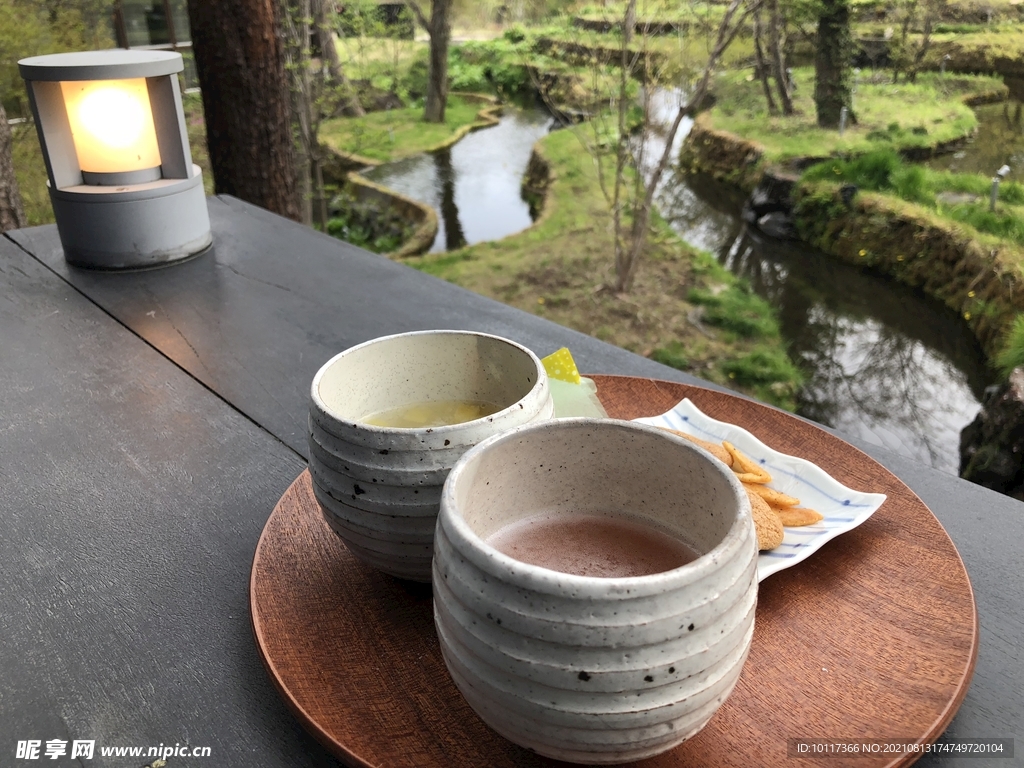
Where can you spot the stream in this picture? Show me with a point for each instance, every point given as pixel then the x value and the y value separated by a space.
pixel 474 185
pixel 882 363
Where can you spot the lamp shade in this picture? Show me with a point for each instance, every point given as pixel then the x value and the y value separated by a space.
pixel 125 192
pixel 111 125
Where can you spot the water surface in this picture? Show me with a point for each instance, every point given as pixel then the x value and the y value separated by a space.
pixel 474 185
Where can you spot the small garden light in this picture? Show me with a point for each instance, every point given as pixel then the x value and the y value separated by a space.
pixel 125 192
pixel 1001 174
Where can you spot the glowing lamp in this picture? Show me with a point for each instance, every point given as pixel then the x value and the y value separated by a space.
pixel 125 192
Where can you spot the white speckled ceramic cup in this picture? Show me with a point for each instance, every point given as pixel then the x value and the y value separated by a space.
pixel 586 669
pixel 379 487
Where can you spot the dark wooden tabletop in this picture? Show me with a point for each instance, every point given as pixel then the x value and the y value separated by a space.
pixel 150 421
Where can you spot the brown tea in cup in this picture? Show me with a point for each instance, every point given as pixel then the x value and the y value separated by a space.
pixel 592 545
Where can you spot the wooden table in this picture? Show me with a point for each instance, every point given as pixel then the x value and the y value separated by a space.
pixel 149 424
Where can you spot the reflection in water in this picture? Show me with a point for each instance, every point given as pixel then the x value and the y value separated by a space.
pixel 882 363
pixel 475 186
pixel 453 237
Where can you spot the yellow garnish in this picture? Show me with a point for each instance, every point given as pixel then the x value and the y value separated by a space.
pixel 561 366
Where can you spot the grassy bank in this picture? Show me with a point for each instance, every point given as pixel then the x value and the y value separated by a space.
pixel 973 257
pixel 929 113
pixel 395 133
pixel 959 197
pixel 1000 50
pixel 685 310
pixel 981 276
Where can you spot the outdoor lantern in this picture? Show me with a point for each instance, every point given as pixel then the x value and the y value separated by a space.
pixel 124 190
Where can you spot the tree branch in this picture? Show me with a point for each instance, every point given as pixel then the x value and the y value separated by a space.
pixel 418 13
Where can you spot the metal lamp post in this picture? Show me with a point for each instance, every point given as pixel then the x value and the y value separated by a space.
pixel 125 192
pixel 1001 174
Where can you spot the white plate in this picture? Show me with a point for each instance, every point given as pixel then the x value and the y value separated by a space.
pixel 844 508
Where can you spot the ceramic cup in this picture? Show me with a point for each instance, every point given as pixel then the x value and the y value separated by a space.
pixel 580 668
pixel 379 487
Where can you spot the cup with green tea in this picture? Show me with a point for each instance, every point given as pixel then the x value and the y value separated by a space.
pixel 389 419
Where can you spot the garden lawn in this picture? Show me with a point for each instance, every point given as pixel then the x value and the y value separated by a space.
pixel 902 116
pixel 396 133
pixel 684 310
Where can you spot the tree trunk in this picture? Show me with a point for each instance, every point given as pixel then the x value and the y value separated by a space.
pixel 12 215
pixel 762 65
pixel 297 39
pixel 324 14
pixel 437 82
pixel 832 62
pixel 622 148
pixel 240 62
pixel 778 61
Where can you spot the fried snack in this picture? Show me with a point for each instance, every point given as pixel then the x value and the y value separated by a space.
pixel 746 469
pixel 794 517
pixel 767 524
pixel 772 509
pixel 714 449
pixel 775 499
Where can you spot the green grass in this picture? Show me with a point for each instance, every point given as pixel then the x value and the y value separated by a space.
pixel 392 134
pixel 929 112
pixel 673 355
pixel 978 51
pixel 677 56
pixel 734 311
pixel 559 268
pixel 686 14
pixel 1012 354
pixel 884 171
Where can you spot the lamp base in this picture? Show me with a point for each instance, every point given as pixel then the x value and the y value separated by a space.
pixel 135 226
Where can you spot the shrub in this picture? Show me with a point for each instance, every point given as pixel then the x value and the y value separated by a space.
pixel 515 34
pixel 365 224
pixel 1012 354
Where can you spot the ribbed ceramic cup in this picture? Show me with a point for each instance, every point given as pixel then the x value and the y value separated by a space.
pixel 380 487
pixel 586 669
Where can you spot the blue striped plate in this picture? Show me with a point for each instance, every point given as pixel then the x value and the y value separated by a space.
pixel 844 508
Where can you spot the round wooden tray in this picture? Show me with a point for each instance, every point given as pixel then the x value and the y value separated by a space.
pixel 874 637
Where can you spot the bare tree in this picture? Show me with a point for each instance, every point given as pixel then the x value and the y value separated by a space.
pixel 439 27
pixel 776 33
pixel 907 55
pixel 630 248
pixel 240 61
pixel 12 214
pixel 308 89
pixel 631 182
pixel 324 13
pixel 762 65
